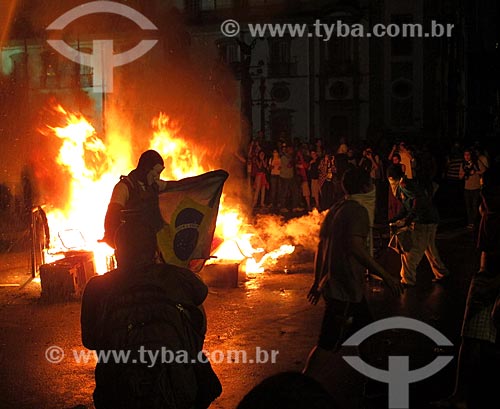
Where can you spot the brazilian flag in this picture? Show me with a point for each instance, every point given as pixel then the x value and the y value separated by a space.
pixel 189 209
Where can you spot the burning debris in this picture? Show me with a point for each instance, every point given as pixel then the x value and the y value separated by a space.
pixel 91 169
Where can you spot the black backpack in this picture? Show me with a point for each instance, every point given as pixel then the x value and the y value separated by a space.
pixel 139 315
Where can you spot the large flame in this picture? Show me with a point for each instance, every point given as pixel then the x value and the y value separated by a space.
pixel 93 168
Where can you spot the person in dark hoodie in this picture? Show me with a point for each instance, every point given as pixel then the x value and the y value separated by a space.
pixel 137 192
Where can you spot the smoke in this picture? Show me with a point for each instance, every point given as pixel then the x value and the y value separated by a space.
pixel 182 77
pixel 303 231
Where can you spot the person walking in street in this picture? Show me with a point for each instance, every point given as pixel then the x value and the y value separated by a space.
pixel 470 171
pixel 419 214
pixel 341 261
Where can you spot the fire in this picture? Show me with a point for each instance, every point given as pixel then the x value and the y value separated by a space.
pixel 93 168
pixel 184 161
pixel 84 157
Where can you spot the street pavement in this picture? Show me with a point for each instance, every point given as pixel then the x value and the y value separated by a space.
pixel 265 313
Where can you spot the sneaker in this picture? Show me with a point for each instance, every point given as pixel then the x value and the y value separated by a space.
pixel 284 210
pixel 298 209
pixel 470 226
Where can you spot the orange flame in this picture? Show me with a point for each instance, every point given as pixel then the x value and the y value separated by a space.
pixel 94 168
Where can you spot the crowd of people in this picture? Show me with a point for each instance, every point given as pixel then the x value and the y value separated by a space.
pixel 147 303
pixel 294 176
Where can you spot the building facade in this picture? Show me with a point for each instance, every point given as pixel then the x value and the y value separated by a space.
pixel 288 85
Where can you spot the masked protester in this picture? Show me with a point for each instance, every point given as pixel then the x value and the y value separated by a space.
pixel 137 193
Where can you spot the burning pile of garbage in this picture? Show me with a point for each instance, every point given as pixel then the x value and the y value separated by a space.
pixel 92 167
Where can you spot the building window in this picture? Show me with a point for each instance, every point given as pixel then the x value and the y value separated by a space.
pixel 192 6
pixel 402 88
pixel 281 63
pixel 229 54
pixel 339 55
pixel 223 4
pixel 339 90
pixel 195 6
pixel 50 70
pixel 86 72
pixel 20 71
pixel 401 46
pixel 340 50
pixel 279 50
pixel 256 3
pixel 281 124
pixel 280 92
pixel 207 4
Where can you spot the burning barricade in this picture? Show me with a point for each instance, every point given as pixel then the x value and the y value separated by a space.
pixel 90 168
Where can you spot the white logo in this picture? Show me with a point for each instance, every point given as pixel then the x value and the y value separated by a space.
pixel 102 59
pixel 398 376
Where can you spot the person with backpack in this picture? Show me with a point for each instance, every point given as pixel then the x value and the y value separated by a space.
pixel 147 324
pixel 138 191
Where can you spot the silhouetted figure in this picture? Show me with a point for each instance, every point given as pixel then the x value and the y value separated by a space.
pixel 151 307
pixel 476 384
pixel 471 170
pixel 138 191
pixel 340 268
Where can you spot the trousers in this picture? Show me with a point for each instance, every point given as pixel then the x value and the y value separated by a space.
pixel 423 242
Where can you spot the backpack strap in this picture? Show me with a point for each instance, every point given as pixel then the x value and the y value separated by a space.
pixel 129 183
